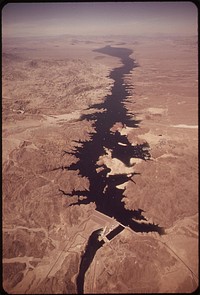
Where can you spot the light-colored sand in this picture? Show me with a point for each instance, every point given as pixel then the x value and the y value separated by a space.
pixel 116 166
pixel 185 126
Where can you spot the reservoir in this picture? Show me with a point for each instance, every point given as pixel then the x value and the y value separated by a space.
pixel 103 191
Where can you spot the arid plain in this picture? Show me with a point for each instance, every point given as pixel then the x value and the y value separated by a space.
pixel 47 84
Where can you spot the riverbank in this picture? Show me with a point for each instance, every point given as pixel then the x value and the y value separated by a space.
pixel 166 99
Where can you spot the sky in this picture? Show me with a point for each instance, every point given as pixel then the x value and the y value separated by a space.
pixel 99 18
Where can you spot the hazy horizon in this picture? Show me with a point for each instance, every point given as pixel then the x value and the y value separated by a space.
pixel 99 18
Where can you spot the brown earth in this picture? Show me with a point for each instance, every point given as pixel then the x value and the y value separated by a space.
pixel 46 88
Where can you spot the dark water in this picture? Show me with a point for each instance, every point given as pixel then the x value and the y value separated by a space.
pixel 92 246
pixel 103 189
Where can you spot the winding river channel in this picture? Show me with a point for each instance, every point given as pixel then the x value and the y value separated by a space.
pixel 103 191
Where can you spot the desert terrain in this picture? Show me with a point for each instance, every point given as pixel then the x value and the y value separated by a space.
pixel 46 86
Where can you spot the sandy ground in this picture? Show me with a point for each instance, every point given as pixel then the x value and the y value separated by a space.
pixel 46 87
